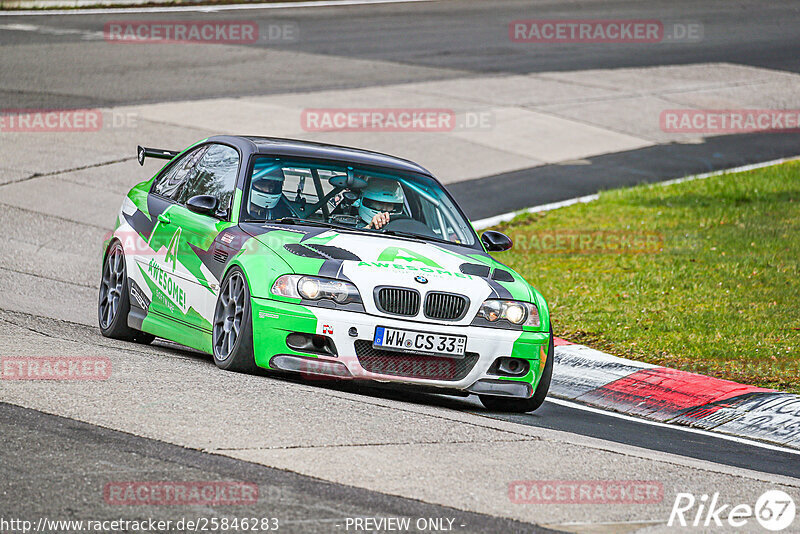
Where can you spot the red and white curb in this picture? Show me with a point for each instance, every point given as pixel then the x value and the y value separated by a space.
pixel 671 396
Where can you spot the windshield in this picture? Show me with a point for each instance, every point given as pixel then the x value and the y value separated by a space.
pixel 364 199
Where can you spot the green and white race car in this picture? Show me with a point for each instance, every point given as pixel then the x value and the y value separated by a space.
pixel 327 261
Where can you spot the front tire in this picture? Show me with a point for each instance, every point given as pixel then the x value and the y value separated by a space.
pixel 114 302
pixel 504 404
pixel 232 331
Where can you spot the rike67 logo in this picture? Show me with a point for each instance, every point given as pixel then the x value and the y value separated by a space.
pixel 774 510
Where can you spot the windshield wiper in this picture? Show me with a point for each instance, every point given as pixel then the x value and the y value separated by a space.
pixel 307 222
pixel 324 224
pixel 418 237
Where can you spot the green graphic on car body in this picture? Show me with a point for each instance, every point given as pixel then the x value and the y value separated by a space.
pixel 392 254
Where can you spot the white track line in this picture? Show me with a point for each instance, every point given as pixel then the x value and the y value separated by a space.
pixel 49 30
pixel 201 9
pixel 606 523
pixel 497 219
pixel 743 441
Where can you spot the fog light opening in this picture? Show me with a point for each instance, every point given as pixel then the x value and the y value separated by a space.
pixel 511 367
pixel 311 343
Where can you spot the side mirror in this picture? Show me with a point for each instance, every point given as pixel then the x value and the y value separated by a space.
pixel 496 241
pixel 203 204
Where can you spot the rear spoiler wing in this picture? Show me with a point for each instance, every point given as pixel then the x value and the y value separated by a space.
pixel 158 153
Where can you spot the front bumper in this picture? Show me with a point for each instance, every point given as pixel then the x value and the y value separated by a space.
pixel 352 334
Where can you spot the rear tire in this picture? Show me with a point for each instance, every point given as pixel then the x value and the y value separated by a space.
pixel 505 404
pixel 114 302
pixel 232 330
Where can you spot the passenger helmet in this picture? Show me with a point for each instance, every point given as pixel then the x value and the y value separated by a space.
pixel 265 192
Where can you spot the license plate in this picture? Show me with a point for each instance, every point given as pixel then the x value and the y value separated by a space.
pixel 419 342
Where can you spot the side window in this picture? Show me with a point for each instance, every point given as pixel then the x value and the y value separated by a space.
pixel 214 174
pixel 169 184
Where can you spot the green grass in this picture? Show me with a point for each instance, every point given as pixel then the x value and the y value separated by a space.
pixel 722 297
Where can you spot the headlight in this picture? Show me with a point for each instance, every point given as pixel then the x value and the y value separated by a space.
pixel 513 311
pixel 315 288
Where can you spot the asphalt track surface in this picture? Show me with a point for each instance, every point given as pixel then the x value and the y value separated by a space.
pixel 57 467
pixel 37 482
pixel 63 62
pixel 488 196
pixel 631 432
pixel 428 40
pixel 48 460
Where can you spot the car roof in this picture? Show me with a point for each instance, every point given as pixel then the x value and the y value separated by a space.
pixel 312 149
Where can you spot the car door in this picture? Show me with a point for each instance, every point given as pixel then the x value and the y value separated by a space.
pixel 155 263
pixel 194 254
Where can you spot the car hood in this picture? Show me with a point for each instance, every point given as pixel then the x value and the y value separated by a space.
pixel 371 261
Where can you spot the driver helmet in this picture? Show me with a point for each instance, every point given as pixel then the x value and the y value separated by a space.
pixel 266 191
pixel 380 196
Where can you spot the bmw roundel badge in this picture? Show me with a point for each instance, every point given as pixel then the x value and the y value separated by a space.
pixel 421 279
